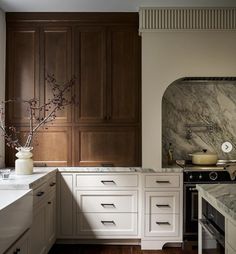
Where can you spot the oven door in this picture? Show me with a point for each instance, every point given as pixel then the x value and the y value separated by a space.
pixel 190 211
pixel 212 241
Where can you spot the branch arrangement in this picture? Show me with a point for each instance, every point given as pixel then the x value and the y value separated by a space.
pixel 39 115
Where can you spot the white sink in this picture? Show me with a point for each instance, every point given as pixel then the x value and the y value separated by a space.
pixel 15 215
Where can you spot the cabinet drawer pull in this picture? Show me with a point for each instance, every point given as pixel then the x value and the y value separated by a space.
pixel 108 205
pixel 108 222
pixel 40 193
pixel 49 202
pixel 52 184
pixel 160 205
pixel 163 223
pixel 163 181
pixel 108 182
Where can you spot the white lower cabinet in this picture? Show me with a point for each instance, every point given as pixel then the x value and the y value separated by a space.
pixel 43 230
pixel 116 206
pixel 21 246
pixel 162 210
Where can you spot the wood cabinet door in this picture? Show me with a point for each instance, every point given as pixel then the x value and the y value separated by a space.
pixel 102 146
pixel 22 71
pixel 124 74
pixel 52 147
pixel 90 65
pixel 56 61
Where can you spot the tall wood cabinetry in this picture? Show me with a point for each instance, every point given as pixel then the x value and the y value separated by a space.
pixel 103 52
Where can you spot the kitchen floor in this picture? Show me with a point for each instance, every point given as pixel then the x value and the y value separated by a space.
pixel 112 249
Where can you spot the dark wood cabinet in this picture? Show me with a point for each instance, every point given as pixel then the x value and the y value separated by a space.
pixel 106 146
pixel 56 60
pixel 22 70
pixel 103 52
pixel 90 70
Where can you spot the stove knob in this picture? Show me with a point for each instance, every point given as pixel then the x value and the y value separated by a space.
pixel 191 177
pixel 200 176
pixel 213 175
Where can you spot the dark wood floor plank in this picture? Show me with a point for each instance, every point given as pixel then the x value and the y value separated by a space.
pixel 112 249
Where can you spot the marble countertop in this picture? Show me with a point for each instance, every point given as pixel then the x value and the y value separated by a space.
pixel 222 196
pixel 25 182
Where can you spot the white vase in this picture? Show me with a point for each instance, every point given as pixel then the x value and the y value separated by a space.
pixel 24 163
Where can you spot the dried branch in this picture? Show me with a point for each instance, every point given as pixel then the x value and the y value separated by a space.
pixel 49 109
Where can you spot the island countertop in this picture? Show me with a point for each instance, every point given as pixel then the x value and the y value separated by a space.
pixel 222 196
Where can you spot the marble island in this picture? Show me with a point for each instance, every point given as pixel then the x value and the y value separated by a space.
pixel 221 196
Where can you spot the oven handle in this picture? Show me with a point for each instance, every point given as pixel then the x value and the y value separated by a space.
pixel 212 231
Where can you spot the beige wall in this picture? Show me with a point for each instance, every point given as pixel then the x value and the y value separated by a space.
pixel 2 74
pixel 168 56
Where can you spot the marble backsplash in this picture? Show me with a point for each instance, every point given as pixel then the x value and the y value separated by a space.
pixel 197 102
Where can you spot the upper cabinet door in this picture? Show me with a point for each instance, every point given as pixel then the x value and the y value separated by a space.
pixel 57 61
pixel 124 74
pixel 23 71
pixel 90 67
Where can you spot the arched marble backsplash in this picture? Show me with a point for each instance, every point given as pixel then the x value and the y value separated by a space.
pixel 198 102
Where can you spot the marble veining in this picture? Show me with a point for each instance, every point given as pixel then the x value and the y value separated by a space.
pixel 222 195
pixel 199 102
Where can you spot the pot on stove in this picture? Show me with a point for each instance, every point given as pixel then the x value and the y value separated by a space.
pixel 204 158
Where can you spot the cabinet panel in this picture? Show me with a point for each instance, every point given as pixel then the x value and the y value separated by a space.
pixel 22 71
pixel 96 225
pixel 90 64
pixel 106 201
pixel 65 209
pixel 52 147
pixel 57 62
pixel 124 74
pixel 106 145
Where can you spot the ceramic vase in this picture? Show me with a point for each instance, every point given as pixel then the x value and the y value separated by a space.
pixel 24 163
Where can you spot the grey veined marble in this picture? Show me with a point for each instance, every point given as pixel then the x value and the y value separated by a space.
pixel 199 102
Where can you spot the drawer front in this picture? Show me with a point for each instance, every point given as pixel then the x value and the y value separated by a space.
pixel 162 202
pixel 162 225
pixel 106 201
pixel 39 194
pixel 51 184
pixel 107 181
pixel 162 181
pixel 107 224
pixel 230 234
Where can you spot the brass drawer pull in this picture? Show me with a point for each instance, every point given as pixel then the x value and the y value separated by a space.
pixel 108 222
pixel 163 223
pixel 40 193
pixel 164 181
pixel 108 205
pixel 108 182
pixel 160 205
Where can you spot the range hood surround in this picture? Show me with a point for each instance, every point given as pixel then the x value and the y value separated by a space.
pixel 170 53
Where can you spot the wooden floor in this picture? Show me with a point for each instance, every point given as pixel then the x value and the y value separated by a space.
pixel 112 249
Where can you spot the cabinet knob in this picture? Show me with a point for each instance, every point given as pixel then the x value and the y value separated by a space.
pixel 52 184
pixel 49 202
pixel 40 193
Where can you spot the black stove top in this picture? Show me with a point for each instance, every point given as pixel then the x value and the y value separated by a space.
pixel 207 173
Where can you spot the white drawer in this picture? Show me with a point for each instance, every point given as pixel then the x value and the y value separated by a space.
pixel 162 225
pixel 162 181
pixel 107 224
pixel 107 180
pixel 162 202
pixel 39 193
pixel 231 234
pixel 51 184
pixel 106 201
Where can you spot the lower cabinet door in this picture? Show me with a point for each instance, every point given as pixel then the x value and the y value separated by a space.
pixel 21 246
pixel 38 237
pixel 110 225
pixel 162 225
pixel 50 221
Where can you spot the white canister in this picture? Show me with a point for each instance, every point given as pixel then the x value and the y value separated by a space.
pixel 24 163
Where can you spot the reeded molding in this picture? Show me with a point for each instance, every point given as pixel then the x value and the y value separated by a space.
pixel 159 19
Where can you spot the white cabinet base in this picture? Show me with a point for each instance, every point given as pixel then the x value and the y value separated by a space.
pixel 158 245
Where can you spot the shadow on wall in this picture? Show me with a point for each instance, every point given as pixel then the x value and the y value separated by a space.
pixel 199 113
